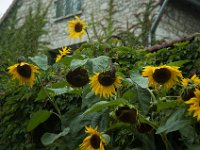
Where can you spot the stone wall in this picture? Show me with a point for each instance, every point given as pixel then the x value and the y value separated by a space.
pixel 178 20
pixel 126 11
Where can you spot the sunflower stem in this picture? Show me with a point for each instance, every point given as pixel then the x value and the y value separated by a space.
pixel 88 35
pixel 166 142
pixel 154 100
pixel 50 100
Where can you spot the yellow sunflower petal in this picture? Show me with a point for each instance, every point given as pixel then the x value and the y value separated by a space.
pixel 76 28
pixel 24 73
pixel 94 141
pixel 194 104
pixel 165 76
pixel 102 90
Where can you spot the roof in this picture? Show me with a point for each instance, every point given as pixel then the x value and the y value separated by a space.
pixel 167 44
pixel 8 11
pixel 187 5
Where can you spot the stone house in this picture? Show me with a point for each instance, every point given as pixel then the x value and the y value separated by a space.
pixel 180 17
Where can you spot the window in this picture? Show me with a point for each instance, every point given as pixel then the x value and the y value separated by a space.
pixel 67 7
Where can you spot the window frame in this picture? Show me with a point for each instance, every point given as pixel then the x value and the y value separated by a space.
pixel 62 17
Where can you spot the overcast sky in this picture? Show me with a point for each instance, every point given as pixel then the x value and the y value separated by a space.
pixel 4 4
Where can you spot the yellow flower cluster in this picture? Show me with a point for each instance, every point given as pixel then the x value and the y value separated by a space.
pixel 65 51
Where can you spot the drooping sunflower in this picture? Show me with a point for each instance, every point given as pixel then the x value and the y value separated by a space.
pixel 194 104
pixel 104 83
pixel 23 72
pixel 65 51
pixel 94 141
pixel 78 77
pixel 164 75
pixel 76 28
pixel 127 114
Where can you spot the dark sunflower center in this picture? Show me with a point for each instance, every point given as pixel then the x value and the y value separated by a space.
pixel 188 94
pixel 24 70
pixel 106 78
pixel 78 27
pixel 162 75
pixel 77 78
pixel 126 114
pixel 95 141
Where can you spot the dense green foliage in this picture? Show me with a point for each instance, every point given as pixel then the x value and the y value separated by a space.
pixel 52 114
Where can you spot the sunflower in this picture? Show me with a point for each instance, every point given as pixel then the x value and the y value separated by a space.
pixel 195 104
pixel 65 51
pixel 127 114
pixel 104 83
pixel 165 76
pixel 24 72
pixel 76 28
pixel 78 77
pixel 189 84
pixel 94 141
pixel 193 80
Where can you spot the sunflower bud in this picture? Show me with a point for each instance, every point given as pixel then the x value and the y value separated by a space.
pixel 126 114
pixel 21 59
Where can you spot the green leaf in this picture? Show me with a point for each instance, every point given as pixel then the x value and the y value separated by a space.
pixel 137 78
pixel 75 63
pixel 103 104
pixel 67 60
pixel 49 138
pixel 178 63
pixel 190 133
pixel 174 122
pixel 128 95
pixel 143 97
pixel 59 91
pixel 38 118
pixel 62 88
pixel 194 147
pixel 56 89
pixel 106 137
pixel 98 64
pixel 166 105
pixel 41 95
pixel 41 61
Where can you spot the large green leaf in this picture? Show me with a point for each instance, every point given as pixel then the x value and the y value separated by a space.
pixel 56 89
pixel 103 104
pixel 38 118
pixel 143 97
pixel 137 78
pixel 62 88
pixel 49 138
pixel 41 61
pixel 174 122
pixel 75 63
pixel 98 64
pixel 67 60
